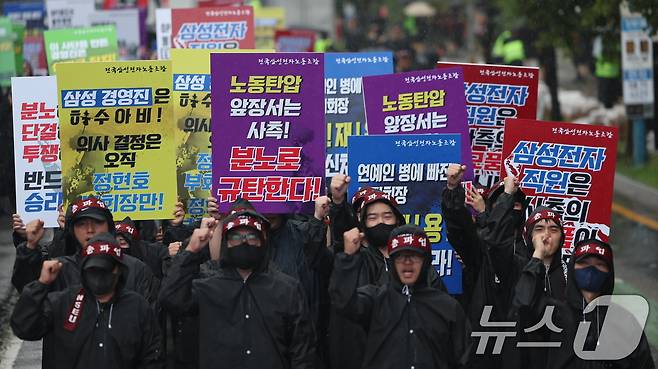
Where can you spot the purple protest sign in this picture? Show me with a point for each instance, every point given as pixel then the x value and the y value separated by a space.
pixel 268 129
pixel 428 101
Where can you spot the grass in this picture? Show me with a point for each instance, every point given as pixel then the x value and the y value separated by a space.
pixel 647 174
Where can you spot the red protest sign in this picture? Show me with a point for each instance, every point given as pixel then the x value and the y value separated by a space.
pixel 494 93
pixel 213 28
pixel 568 167
pixel 294 40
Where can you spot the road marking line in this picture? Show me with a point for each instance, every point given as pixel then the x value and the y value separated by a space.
pixel 638 218
pixel 8 357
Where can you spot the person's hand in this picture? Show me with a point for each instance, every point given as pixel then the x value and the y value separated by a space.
pixel 209 222
pixel 174 247
pixel 18 226
pixel 321 207
pixel 542 244
pixel 511 185
pixel 455 174
pixel 49 271
pixel 339 184
pixel 199 240
pixel 352 240
pixel 213 208
pixel 179 215
pixel 61 217
pixel 34 232
pixel 475 200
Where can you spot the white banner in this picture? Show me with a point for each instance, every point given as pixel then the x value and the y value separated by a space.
pixel 126 22
pixel 69 13
pixel 163 32
pixel 636 59
pixel 36 148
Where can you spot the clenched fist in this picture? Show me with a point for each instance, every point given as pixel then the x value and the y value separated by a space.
pixel 34 232
pixel 352 240
pixel 455 174
pixel 49 271
pixel 338 186
pixel 511 185
pixel 174 247
pixel 321 207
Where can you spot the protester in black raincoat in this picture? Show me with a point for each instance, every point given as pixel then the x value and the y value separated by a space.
pixel 375 214
pixel 546 272
pixel 96 324
pixel 260 312
pixel 491 249
pixel 410 324
pixel 151 254
pixel 605 327
pixel 298 249
pixel 544 276
pixel 85 219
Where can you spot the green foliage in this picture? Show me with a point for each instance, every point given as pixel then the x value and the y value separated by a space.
pixel 555 22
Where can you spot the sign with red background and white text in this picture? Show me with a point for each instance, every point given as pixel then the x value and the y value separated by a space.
pixel 567 167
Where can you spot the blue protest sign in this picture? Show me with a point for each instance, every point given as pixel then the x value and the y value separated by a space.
pixel 412 169
pixel 344 111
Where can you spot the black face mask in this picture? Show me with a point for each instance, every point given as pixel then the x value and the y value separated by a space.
pixel 245 256
pixel 99 282
pixel 378 235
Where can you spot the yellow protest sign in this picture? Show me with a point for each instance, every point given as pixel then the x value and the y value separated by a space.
pixel 191 101
pixel 267 20
pixel 117 136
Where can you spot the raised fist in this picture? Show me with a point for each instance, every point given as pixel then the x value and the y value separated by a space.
pixel 511 185
pixel 455 174
pixel 49 271
pixel 321 207
pixel 34 232
pixel 338 186
pixel 352 240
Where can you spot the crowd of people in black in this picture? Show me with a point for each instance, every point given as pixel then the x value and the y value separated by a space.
pixel 351 286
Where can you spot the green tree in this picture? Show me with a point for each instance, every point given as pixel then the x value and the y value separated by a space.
pixel 552 24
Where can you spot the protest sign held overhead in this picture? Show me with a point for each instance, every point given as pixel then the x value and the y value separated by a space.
pixel 294 40
pixel 411 169
pixel 343 91
pixel 163 33
pixel 495 93
pixel 81 44
pixel 31 13
pixel 118 136
pixel 37 165
pixel 191 98
pixel 267 20
pixel 568 167
pixel 69 13
pixel 7 56
pixel 213 28
pixel 126 23
pixel 268 129
pixel 430 101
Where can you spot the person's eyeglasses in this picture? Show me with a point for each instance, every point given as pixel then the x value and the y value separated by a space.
pixel 409 257
pixel 238 238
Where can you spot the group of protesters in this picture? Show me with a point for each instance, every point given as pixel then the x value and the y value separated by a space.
pixel 351 286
